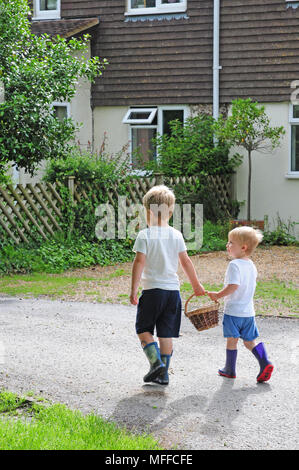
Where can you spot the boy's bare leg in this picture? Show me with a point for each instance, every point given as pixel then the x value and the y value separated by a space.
pixel 231 343
pixel 165 345
pixel 250 345
pixel 145 338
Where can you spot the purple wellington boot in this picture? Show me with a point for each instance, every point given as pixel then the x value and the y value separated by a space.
pixel 266 367
pixel 229 370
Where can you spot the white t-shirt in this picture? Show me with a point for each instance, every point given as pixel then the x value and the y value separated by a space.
pixel 240 303
pixel 162 246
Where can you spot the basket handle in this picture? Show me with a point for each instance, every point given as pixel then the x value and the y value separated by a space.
pixel 187 301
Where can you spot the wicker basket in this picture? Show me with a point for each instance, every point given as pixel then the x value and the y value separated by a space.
pixel 204 317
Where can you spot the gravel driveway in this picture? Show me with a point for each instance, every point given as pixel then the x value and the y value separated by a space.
pixel 87 356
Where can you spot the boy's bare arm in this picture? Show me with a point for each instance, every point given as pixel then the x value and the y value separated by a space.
pixel 230 289
pixel 138 266
pixel 189 270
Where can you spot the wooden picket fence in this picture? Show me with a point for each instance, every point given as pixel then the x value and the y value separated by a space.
pixel 135 190
pixel 137 187
pixel 31 210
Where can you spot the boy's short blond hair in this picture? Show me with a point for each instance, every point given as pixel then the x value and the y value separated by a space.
pixel 247 236
pixel 160 200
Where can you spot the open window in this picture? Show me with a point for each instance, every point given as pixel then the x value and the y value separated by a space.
pixel 46 9
pixel 145 7
pixel 140 116
pixel 145 124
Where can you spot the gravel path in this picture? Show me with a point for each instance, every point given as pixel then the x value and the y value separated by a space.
pixel 87 356
pixel 112 283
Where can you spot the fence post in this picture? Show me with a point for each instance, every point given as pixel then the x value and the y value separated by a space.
pixel 159 178
pixel 71 186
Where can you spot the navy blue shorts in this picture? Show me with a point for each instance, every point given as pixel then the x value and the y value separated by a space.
pixel 160 309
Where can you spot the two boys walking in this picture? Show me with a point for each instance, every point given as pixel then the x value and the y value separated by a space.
pixel 159 248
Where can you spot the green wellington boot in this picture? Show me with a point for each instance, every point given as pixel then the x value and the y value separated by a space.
pixel 152 353
pixel 163 377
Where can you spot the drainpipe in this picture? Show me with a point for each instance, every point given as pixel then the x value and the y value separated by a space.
pixel 216 66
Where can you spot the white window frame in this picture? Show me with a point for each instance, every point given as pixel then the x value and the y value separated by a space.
pixel 170 107
pixel 292 122
pixel 152 113
pixel 158 126
pixel 159 8
pixel 46 15
pixel 63 104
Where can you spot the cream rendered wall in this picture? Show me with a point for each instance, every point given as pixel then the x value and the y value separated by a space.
pixel 108 120
pixel 80 111
pixel 272 191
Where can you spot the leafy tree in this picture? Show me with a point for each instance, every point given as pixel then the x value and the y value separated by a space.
pixel 36 71
pixel 249 127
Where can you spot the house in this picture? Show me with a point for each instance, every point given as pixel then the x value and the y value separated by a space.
pixel 161 67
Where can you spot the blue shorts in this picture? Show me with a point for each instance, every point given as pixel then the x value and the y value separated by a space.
pixel 239 327
pixel 160 309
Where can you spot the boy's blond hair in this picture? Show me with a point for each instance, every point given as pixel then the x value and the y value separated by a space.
pixel 160 200
pixel 247 236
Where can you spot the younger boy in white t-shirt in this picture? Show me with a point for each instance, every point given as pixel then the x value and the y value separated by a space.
pixel 239 314
pixel 158 249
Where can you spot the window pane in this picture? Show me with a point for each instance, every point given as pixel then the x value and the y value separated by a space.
pixel 143 3
pixel 171 115
pixel 61 112
pixel 295 111
pixel 136 115
pixel 295 149
pixel 172 1
pixel 46 5
pixel 143 149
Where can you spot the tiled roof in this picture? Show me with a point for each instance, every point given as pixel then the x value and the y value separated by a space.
pixel 64 28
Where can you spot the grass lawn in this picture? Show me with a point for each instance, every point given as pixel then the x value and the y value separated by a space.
pixel 277 290
pixel 28 425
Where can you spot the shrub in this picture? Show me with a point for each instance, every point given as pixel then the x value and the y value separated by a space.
pixel 98 167
pixel 189 150
pixel 5 178
pixel 200 192
pixel 94 173
pixel 62 253
pixel 86 166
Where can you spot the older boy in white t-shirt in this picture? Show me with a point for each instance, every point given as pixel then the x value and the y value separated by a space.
pixel 238 292
pixel 158 249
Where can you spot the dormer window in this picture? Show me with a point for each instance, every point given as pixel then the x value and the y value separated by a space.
pixel 46 9
pixel 146 7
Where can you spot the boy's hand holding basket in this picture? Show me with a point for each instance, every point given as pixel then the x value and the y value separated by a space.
pixel 203 317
